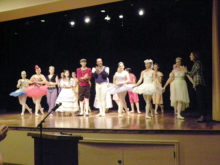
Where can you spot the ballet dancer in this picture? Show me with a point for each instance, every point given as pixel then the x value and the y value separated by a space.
pixel 158 97
pixel 67 96
pixel 37 90
pixel 180 99
pixel 133 97
pixel 52 82
pixel 147 88
pixel 21 94
pixel 120 87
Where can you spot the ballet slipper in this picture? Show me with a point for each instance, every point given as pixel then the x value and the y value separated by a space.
pixel 147 117
pixel 99 114
pixel 30 111
pixel 22 114
pixel 120 115
pixel 180 117
pixel 132 111
pixel 139 112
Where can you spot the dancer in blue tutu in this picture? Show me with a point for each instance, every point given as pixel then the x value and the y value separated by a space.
pixel 21 94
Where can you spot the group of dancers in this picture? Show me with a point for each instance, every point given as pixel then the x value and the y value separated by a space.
pixel 74 91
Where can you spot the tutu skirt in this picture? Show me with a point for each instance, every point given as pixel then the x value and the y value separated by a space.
pixel 114 89
pixel 179 93
pixel 145 89
pixel 36 91
pixel 68 100
pixel 17 93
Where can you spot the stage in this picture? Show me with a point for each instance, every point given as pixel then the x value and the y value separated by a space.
pixel 111 123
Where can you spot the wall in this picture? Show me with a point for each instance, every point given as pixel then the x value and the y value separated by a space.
pixel 193 149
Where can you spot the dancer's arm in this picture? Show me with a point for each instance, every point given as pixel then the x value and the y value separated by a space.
pixel 140 79
pixel 190 79
pixel 114 79
pixel 169 80
pixel 19 83
pixel 31 81
pixel 44 81
pixel 94 72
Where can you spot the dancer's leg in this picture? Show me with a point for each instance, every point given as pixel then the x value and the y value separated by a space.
pixel 122 100
pixel 22 101
pixel 179 109
pixel 147 100
pixel 156 108
pixel 138 107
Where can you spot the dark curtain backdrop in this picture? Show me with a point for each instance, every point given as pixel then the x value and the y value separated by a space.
pixel 169 29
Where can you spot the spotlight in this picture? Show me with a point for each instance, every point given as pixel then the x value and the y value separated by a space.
pixel 42 20
pixel 102 11
pixel 120 16
pixel 72 23
pixel 140 12
pixel 87 20
pixel 107 18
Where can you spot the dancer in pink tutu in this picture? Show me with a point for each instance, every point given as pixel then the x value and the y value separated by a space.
pixel 133 97
pixel 37 90
pixel 120 87
pixel 147 88
pixel 21 94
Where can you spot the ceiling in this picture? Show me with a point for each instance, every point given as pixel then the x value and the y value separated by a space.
pixel 16 9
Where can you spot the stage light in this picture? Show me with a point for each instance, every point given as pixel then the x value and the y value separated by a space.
pixel 107 18
pixel 121 16
pixel 42 21
pixel 72 23
pixel 87 20
pixel 102 11
pixel 140 12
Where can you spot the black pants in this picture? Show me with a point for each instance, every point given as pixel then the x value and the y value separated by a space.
pixel 201 100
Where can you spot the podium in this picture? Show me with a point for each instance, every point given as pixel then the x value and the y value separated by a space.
pixel 55 149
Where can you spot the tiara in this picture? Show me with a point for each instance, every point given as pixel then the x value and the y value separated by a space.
pixel 148 61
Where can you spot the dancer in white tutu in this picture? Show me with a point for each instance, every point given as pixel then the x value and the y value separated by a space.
pixel 120 87
pixel 67 97
pixel 147 88
pixel 180 96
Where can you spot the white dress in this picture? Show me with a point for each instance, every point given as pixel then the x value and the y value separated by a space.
pixel 147 87
pixel 179 90
pixel 120 77
pixel 67 97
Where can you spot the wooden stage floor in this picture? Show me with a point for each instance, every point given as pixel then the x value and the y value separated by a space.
pixel 111 123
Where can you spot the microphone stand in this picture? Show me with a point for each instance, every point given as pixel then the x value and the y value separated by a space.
pixel 40 125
